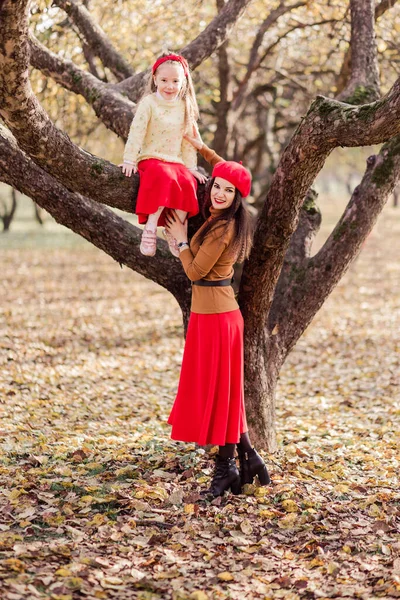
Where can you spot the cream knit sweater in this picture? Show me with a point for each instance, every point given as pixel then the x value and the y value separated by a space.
pixel 157 132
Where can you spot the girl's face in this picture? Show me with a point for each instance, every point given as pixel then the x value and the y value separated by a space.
pixel 222 193
pixel 169 80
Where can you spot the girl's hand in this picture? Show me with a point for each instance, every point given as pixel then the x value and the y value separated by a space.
pixel 174 226
pixel 194 139
pixel 201 178
pixel 128 168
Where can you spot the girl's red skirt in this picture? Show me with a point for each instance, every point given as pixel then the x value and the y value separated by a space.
pixel 165 184
pixel 209 407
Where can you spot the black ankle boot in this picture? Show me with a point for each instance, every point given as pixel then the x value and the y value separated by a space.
pixel 226 475
pixel 251 464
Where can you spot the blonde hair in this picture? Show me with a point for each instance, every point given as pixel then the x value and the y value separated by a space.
pixel 186 92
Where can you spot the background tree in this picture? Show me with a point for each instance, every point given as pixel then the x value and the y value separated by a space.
pixel 256 113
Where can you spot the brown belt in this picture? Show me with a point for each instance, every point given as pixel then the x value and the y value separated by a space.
pixel 216 282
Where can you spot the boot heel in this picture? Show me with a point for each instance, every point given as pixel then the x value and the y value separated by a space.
pixel 263 476
pixel 236 488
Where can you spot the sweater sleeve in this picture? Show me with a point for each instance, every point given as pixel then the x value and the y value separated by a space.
pixel 137 131
pixel 210 155
pixel 189 154
pixel 197 267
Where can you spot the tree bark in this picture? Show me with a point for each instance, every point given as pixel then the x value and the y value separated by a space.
pixel 345 71
pixel 315 279
pixel 96 223
pixel 96 39
pixel 70 183
pixel 110 106
pixel 363 86
pixel 262 361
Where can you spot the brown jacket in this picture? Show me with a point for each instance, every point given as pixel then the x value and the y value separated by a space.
pixel 212 260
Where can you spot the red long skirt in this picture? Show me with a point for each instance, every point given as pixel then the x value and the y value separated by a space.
pixel 209 407
pixel 165 184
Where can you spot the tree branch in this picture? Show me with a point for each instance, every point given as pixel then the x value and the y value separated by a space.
pixel 314 280
pixel 254 58
pixel 363 86
pixel 383 6
pixel 110 106
pixel 36 133
pixel 209 40
pixel 96 223
pixel 328 124
pixel 96 38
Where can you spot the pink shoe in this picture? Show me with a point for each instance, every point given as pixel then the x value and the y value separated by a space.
pixel 172 243
pixel 148 242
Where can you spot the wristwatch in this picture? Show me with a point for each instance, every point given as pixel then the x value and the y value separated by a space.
pixel 182 245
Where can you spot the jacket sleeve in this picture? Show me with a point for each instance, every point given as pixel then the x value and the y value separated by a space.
pixel 210 155
pixel 197 267
pixel 137 131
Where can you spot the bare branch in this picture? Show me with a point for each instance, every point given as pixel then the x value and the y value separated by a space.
pixel 363 86
pixel 383 6
pixel 96 223
pixel 96 38
pixel 345 70
pixel 254 58
pixel 213 36
pixel 316 278
pixel 327 125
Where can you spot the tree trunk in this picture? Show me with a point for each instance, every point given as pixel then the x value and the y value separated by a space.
pixel 8 215
pixel 262 362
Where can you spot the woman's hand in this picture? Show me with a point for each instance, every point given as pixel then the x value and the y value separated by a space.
pixel 174 226
pixel 128 168
pixel 199 176
pixel 194 139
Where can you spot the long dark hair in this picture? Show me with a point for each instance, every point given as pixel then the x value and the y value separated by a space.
pixel 236 212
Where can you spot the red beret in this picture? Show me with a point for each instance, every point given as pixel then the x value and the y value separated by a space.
pixel 236 174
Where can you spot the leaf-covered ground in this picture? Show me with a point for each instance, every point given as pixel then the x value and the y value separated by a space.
pixel 97 502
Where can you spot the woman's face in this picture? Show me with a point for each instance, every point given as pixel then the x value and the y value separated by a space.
pixel 169 80
pixel 222 193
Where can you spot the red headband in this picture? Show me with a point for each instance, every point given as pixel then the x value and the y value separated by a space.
pixel 175 57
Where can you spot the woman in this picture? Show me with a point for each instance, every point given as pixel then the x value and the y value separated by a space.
pixel 209 406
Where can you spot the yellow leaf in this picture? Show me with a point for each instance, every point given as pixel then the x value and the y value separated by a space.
pixel 86 499
pixel 225 576
pixel 98 520
pixel 332 568
pixel 198 595
pixel 346 549
pixel 24 523
pixel 288 521
pixel 246 527
pixel 203 479
pixel 374 511
pixel 63 572
pixel 260 492
pixel 290 506
pixel 266 514
pixel 315 562
pixel 14 564
pixel 74 583
pixel 189 509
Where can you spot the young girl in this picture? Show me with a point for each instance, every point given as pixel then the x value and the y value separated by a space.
pixel 156 148
pixel 209 406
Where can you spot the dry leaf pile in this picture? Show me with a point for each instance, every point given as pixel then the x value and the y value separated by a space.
pixel 96 502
